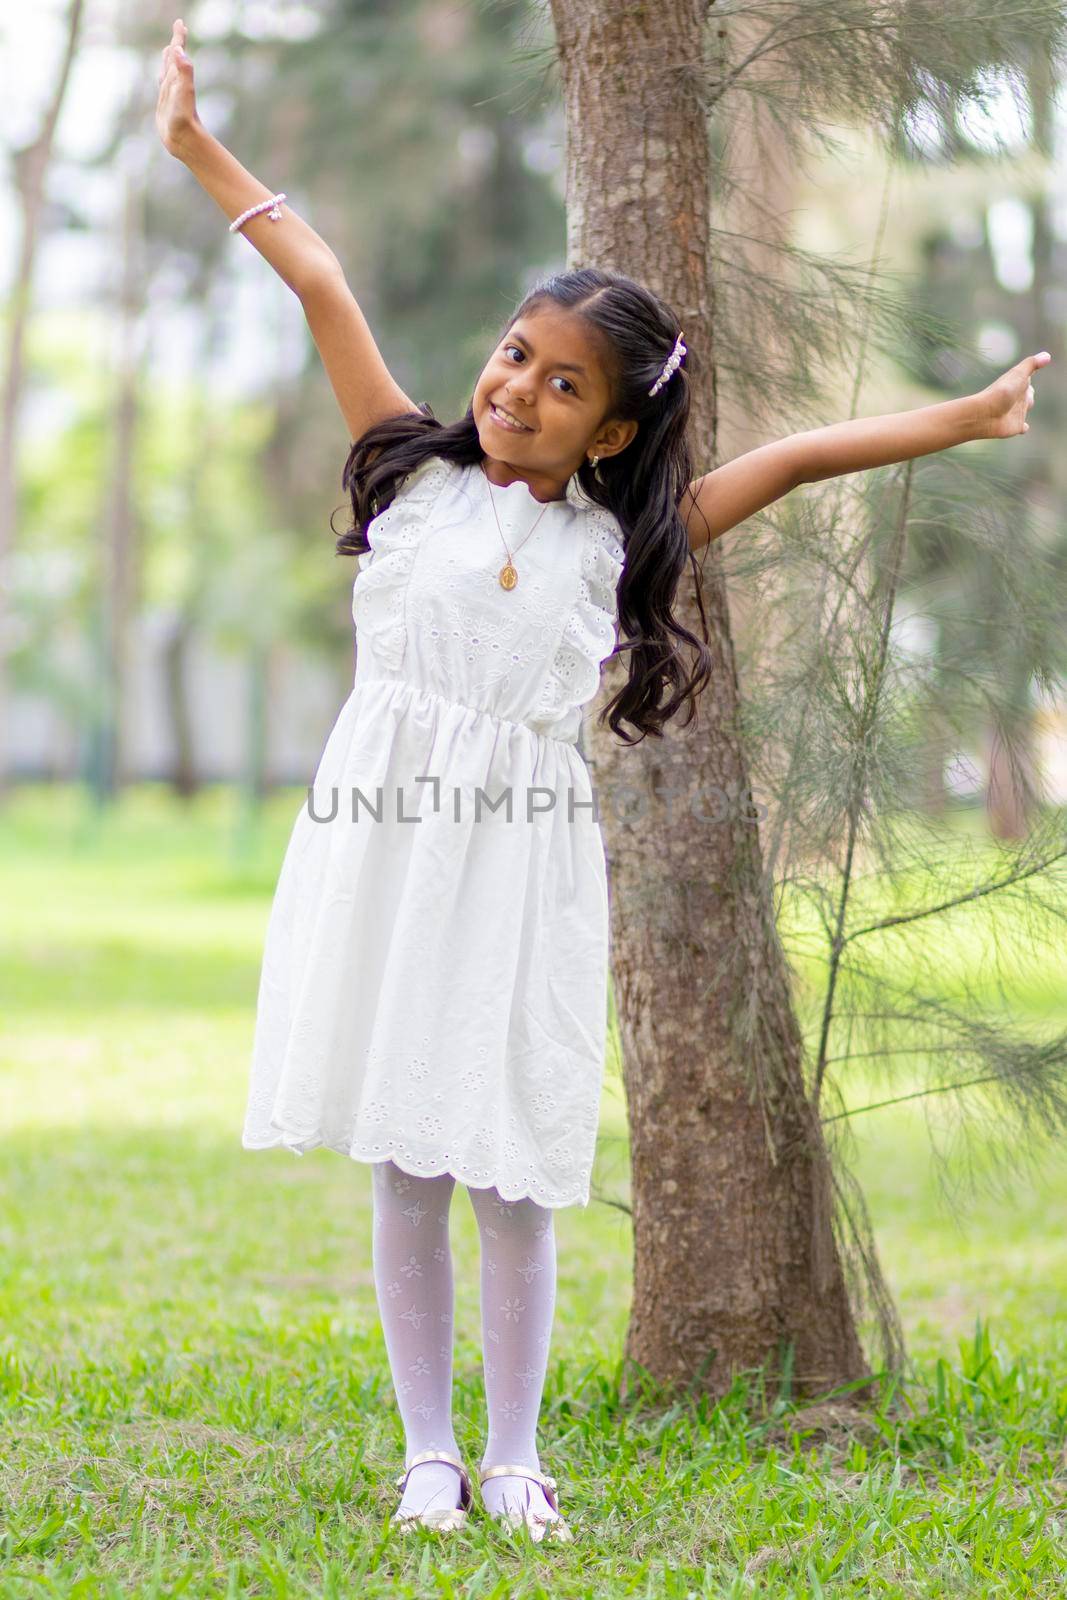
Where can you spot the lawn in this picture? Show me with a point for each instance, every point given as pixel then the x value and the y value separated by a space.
pixel 195 1391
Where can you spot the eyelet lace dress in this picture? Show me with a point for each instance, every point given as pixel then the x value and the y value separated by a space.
pixel 434 980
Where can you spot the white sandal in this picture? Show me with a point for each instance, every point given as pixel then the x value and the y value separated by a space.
pixel 540 1526
pixel 441 1521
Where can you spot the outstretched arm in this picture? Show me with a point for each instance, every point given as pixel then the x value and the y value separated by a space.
pixel 721 499
pixel 366 390
pixel 295 251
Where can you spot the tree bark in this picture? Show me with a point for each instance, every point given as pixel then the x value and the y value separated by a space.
pixel 735 1259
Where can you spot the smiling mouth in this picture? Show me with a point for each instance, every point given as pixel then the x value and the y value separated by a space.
pixel 503 421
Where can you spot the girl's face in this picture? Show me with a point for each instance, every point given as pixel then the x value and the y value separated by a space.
pixel 545 372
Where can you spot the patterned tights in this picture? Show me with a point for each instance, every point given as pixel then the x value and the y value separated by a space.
pixel 412 1262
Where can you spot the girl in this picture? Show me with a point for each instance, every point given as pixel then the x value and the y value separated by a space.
pixel 433 991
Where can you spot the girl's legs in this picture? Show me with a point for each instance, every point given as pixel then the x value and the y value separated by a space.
pixel 413 1280
pixel 518 1282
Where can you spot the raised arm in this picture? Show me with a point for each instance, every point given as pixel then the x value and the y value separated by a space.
pixel 366 390
pixel 721 499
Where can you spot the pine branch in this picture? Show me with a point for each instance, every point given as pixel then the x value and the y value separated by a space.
pixel 1058 1055
pixel 977 893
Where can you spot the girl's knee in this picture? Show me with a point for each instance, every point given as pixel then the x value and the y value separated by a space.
pixel 516 1216
pixel 388 1179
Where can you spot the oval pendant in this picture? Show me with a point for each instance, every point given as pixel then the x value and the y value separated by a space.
pixel 508 577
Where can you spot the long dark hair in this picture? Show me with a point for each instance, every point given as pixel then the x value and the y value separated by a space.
pixel 641 485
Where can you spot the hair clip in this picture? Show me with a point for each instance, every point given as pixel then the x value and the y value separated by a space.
pixel 673 362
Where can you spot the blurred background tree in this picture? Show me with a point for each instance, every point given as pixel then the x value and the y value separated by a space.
pixel 410 137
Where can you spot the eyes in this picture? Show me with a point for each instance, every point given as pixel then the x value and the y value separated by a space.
pixel 567 381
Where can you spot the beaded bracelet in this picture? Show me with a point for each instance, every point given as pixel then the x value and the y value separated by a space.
pixel 264 205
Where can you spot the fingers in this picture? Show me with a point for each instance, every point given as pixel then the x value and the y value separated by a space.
pixel 1041 359
pixel 175 48
pixel 174 51
pixel 170 60
pixel 1030 364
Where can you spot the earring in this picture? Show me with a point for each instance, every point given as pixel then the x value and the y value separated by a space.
pixel 593 460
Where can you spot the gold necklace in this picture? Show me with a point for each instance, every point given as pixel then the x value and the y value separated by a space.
pixel 508 575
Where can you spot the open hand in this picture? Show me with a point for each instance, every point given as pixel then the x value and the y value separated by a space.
pixel 176 114
pixel 1007 399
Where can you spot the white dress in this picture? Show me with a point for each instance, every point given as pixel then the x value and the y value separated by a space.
pixel 434 980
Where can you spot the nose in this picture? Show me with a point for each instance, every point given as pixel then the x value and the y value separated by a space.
pixel 517 391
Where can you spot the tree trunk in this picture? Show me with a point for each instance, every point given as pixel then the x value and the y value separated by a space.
pixel 185 772
pixel 120 576
pixel 31 170
pixel 932 798
pixel 735 1259
pixel 1013 782
pixel 184 778
pixel 754 210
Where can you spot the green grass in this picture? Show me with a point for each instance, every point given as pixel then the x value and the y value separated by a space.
pixel 195 1391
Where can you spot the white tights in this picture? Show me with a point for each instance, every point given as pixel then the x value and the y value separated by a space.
pixel 412 1262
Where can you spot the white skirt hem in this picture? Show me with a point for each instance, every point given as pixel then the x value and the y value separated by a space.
pixel 300 1144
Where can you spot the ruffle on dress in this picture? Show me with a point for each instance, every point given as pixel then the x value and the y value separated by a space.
pixel 380 588
pixel 589 636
